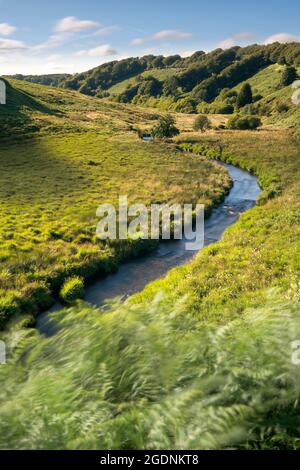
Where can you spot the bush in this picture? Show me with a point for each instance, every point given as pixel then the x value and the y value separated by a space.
pixel 282 107
pixel 9 306
pixel 73 289
pixel 245 96
pixel 186 105
pixel 225 109
pixel 36 297
pixel 244 123
pixel 201 123
pixel 165 128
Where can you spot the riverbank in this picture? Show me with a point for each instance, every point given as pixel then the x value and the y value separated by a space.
pixel 210 343
pixel 53 236
pixel 134 276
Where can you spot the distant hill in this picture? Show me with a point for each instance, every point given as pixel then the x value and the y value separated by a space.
pixel 49 80
pixel 201 83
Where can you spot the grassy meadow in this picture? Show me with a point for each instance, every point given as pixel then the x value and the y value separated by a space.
pixel 200 359
pixel 51 186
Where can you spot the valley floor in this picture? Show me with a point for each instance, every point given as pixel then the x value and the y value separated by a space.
pixel 202 359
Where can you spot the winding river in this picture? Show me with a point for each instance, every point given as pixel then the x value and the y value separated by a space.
pixel 133 276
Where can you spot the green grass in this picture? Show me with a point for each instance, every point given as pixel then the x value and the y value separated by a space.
pixel 200 359
pixel 51 186
pixel 267 84
pixel 259 252
pixel 146 377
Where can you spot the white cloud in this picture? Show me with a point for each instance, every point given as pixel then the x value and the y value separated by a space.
pixel 104 50
pixel 71 24
pixel 139 41
pixel 185 54
pixel 282 38
pixel 227 43
pixel 164 35
pixel 54 41
pixel 234 40
pixel 67 27
pixel 7 29
pixel 9 45
pixel 171 35
pixel 106 30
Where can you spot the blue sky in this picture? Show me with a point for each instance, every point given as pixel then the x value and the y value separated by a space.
pixel 38 36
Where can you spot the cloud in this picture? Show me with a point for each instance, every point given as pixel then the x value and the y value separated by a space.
pixel 67 27
pixel 234 40
pixel 71 24
pixel 185 54
pixel 171 35
pixel 139 41
pixel 106 30
pixel 164 35
pixel 54 41
pixel 9 45
pixel 7 29
pixel 282 38
pixel 99 51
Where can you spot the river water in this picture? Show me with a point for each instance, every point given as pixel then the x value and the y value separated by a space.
pixel 133 276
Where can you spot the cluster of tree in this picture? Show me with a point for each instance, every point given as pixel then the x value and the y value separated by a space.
pixel 105 76
pixel 204 76
pixel 231 76
pixel 244 122
pixel 145 86
pixel 49 80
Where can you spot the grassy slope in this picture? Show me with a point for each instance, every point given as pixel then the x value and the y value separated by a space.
pixel 83 155
pixel 159 74
pixel 267 84
pixel 259 252
pixel 199 360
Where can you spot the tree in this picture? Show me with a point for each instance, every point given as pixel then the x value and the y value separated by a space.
pixel 165 128
pixel 245 96
pixel 289 75
pixel 170 86
pixel 202 123
pixel 244 123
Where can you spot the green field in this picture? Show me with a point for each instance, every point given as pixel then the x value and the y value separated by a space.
pixel 200 359
pixel 52 185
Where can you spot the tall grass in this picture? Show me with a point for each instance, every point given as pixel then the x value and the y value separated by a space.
pixel 144 377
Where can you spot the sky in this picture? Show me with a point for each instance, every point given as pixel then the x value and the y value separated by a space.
pixel 64 36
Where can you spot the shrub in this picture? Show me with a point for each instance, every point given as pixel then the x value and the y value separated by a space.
pixel 289 75
pixel 225 109
pixel 36 297
pixel 244 123
pixel 73 289
pixel 165 128
pixel 201 123
pixel 9 306
pixel 186 105
pixel 245 96
pixel 282 107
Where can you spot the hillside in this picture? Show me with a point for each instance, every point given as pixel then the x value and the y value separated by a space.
pixel 62 155
pixel 193 84
pixel 49 80
pixel 200 359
